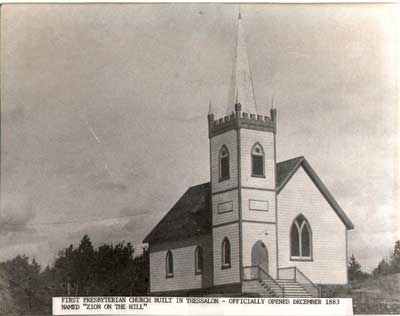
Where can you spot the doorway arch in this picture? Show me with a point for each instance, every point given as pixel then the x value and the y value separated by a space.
pixel 259 255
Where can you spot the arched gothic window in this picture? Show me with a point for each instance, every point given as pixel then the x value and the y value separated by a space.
pixel 300 239
pixel 198 260
pixel 257 161
pixel 224 172
pixel 169 265
pixel 226 253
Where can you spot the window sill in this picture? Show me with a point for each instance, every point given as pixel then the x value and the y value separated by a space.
pixel 301 259
pixel 198 273
pixel 227 266
pixel 223 212
pixel 169 276
pixel 224 179
pixel 258 176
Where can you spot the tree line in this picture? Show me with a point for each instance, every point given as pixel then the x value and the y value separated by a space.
pixel 389 265
pixel 108 270
pixel 77 271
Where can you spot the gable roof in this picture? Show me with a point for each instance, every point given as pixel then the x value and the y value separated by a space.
pixel 192 214
pixel 285 171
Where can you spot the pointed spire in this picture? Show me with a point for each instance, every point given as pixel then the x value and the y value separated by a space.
pixel 242 85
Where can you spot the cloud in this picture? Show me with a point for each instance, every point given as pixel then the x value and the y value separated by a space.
pixel 16 212
pixel 130 228
pixel 133 225
pixel 135 220
pixel 110 232
pixel 370 248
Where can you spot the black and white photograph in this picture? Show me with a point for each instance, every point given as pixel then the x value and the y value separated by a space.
pixel 200 150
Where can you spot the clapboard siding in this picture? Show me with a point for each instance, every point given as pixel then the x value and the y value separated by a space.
pixel 229 139
pixel 252 232
pixel 224 276
pixel 247 140
pixel 300 195
pixel 258 215
pixel 226 197
pixel 184 265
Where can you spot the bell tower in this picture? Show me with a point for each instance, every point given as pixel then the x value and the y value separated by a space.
pixel 243 184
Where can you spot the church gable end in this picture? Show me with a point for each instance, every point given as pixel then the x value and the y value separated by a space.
pixel 311 233
pixel 285 171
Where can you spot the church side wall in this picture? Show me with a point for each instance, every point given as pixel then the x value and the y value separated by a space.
pixel 328 265
pixel 183 252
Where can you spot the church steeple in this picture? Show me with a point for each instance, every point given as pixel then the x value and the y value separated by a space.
pixel 242 85
pixel 242 108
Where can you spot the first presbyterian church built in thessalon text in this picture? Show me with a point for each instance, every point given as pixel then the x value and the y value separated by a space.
pixel 259 227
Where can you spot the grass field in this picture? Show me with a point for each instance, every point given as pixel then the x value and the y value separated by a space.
pixel 371 296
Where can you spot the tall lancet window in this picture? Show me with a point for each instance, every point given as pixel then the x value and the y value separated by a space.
pixel 226 253
pixel 224 172
pixel 257 161
pixel 169 265
pixel 198 260
pixel 300 239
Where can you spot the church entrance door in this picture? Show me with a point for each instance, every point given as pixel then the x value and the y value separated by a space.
pixel 259 255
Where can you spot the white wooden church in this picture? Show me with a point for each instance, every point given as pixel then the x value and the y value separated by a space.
pixel 259 227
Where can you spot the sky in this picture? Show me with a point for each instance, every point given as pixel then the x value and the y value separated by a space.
pixel 103 113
